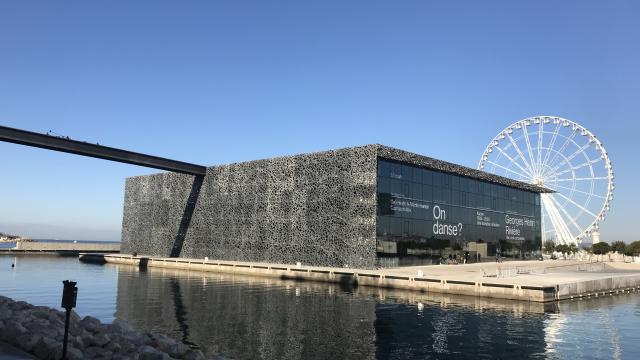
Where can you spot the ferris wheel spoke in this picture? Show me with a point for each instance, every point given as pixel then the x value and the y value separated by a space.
pixel 539 150
pixel 517 149
pixel 579 179
pixel 576 204
pixel 578 191
pixel 564 211
pixel 569 158
pixel 514 162
pixel 563 147
pixel 529 149
pixel 507 169
pixel 552 144
pixel 588 163
pixel 515 159
pixel 547 173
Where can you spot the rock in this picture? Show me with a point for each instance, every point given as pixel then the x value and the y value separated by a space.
pixel 56 315
pixel 136 339
pixel 13 330
pixel 114 347
pixel 56 318
pixel 16 326
pixel 20 305
pixel 194 354
pixel 87 340
pixel 164 343
pixel 48 349
pixel 76 329
pixel 3 331
pixel 74 317
pixel 40 330
pixel 101 339
pixel 90 324
pixel 126 346
pixel 58 324
pixel 27 342
pixel 149 353
pixel 38 324
pixel 5 313
pixel 74 354
pixel 125 357
pixel 92 352
pixel 40 313
pixel 179 350
pixel 104 355
pixel 119 326
pixel 77 342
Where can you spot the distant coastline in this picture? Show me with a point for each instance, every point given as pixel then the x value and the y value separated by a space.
pixel 13 238
pixel 77 241
pixel 55 245
pixel 10 238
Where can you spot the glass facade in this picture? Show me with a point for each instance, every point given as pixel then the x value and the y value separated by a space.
pixel 427 216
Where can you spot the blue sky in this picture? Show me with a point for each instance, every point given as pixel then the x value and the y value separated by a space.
pixel 213 82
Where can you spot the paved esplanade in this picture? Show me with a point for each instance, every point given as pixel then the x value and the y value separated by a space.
pixel 533 281
pixel 541 273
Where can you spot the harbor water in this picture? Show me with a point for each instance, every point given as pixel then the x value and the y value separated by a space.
pixel 244 317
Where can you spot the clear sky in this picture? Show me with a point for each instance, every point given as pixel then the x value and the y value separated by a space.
pixel 213 82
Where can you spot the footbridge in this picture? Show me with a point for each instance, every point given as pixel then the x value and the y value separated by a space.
pixel 65 144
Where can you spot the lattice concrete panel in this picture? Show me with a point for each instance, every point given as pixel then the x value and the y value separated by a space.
pixel 153 208
pixel 318 209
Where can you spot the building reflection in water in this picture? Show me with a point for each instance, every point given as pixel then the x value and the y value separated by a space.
pixel 261 318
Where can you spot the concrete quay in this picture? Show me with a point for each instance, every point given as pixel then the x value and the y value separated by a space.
pixel 62 247
pixel 541 282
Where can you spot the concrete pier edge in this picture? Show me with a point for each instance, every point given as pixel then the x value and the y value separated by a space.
pixel 386 278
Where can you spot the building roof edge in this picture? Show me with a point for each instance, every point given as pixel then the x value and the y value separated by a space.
pixel 392 153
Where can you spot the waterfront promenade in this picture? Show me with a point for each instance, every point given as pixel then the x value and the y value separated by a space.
pixel 543 281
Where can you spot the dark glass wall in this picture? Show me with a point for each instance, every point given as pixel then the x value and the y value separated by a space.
pixel 425 216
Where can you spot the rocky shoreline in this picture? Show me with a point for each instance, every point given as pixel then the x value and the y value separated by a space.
pixel 39 330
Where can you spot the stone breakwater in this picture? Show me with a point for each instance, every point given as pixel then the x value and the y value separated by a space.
pixel 39 330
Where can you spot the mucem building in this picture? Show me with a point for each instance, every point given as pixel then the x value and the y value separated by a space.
pixel 366 207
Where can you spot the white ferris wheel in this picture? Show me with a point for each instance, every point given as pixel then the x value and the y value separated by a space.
pixel 562 156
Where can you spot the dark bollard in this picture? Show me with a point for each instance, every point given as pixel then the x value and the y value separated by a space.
pixel 142 265
pixel 69 296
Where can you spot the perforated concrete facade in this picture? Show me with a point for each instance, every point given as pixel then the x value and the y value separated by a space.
pixel 315 208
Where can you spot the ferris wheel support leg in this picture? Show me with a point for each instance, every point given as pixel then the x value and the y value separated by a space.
pixel 561 228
